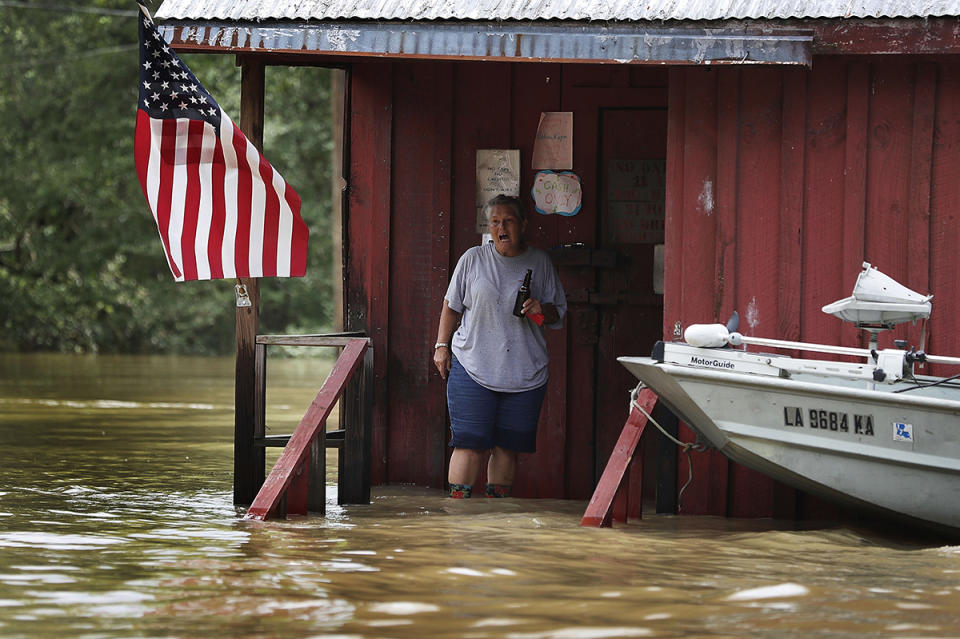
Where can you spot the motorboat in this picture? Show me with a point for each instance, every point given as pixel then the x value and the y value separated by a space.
pixel 857 425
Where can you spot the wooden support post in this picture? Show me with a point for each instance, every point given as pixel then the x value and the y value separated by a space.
pixel 317 481
pixel 260 411
pixel 338 185
pixel 600 509
pixel 618 510
pixel 349 415
pixel 248 460
pixel 299 490
pixel 354 467
pixel 666 461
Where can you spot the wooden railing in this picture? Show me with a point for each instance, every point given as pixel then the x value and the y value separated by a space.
pixel 610 498
pixel 297 483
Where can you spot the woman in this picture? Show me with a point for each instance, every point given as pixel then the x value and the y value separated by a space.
pixel 496 362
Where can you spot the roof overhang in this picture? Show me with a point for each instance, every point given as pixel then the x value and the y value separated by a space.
pixel 556 41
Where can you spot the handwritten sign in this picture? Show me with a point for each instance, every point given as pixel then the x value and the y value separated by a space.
pixel 636 201
pixel 553 147
pixel 557 193
pixel 498 172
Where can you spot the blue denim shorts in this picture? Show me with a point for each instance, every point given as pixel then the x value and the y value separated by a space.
pixel 481 418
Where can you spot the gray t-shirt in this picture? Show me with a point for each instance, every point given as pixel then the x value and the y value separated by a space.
pixel 498 350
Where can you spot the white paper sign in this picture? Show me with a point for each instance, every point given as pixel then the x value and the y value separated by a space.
pixel 498 172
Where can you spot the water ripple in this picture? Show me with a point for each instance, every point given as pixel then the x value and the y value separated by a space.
pixel 109 404
pixel 53 541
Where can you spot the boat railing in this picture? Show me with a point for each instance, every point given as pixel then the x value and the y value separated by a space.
pixel 297 482
pixel 867 353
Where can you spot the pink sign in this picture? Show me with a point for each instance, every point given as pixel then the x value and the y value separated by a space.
pixel 553 146
pixel 557 193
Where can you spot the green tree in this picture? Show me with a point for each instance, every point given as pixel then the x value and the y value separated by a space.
pixel 81 265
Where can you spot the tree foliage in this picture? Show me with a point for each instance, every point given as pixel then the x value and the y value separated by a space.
pixel 81 264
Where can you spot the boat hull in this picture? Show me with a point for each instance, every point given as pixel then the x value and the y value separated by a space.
pixel 896 452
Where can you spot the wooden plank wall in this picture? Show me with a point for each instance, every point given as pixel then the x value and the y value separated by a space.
pixel 415 128
pixel 812 173
pixel 780 183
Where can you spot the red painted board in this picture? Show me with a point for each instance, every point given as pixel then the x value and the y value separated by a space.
pixel 533 91
pixel 758 203
pixel 698 243
pixel 629 138
pixel 581 326
pixel 855 183
pixel 692 242
pixel 440 257
pixel 675 208
pixel 785 502
pixel 758 268
pixel 943 334
pixel 635 479
pixel 921 168
pixel 602 501
pixel 674 203
pixel 725 210
pixel 479 122
pixel 792 168
pixel 297 450
pixel 822 260
pixel 422 148
pixel 930 35
pixel 888 173
pixel 750 494
pixel 368 224
pixel 535 88
pixel 618 510
pixel 297 493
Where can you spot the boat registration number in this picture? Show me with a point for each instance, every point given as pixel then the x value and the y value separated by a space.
pixel 797 417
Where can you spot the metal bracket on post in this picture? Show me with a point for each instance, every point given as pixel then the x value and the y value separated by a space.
pixel 243 300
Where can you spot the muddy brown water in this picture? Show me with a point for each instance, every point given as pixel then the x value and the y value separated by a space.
pixel 116 521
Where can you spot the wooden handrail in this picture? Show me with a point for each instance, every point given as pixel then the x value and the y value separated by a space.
pixel 326 339
pixel 289 474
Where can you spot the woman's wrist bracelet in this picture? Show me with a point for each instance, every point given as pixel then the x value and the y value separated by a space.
pixel 441 345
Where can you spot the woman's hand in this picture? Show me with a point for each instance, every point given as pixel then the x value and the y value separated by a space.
pixel 546 313
pixel 532 307
pixel 442 357
pixel 442 360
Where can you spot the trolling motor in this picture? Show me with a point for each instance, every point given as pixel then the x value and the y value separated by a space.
pixel 878 303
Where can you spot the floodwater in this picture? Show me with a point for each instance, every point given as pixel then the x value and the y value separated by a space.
pixel 116 521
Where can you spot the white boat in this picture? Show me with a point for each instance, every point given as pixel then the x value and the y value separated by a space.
pixel 867 432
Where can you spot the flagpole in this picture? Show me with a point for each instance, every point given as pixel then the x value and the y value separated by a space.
pixel 248 460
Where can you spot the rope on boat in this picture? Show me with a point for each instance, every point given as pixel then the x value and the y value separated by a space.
pixel 920 385
pixel 685 446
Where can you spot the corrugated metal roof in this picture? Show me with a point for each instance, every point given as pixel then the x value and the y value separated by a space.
pixel 515 41
pixel 612 10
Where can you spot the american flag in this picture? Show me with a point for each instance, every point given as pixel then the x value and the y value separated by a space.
pixel 222 211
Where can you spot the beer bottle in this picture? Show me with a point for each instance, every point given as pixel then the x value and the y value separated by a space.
pixel 522 295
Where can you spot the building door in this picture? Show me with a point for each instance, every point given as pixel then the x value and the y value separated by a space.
pixel 629 294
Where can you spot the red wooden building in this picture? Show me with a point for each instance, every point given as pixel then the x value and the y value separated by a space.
pixel 779 149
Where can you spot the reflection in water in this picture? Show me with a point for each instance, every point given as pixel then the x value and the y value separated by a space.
pixel 116 520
